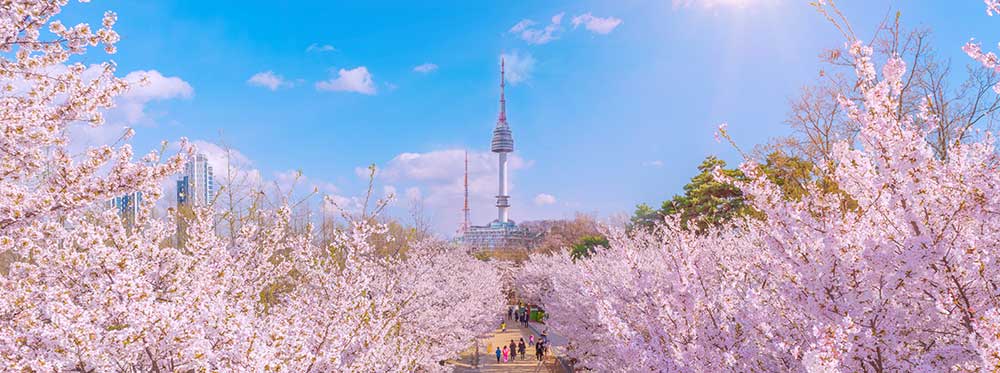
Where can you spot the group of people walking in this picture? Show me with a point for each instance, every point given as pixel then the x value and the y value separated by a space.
pixel 521 314
pixel 511 352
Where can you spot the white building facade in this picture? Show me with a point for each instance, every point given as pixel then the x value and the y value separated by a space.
pixel 197 185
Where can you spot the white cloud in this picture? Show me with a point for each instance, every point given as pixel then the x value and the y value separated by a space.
pixel 325 187
pixel 414 194
pixel 147 86
pixel 229 165
pixel 545 199
pixel 425 68
pixel 234 170
pixel 654 163
pixel 270 80
pixel 711 4
pixel 151 85
pixel 439 166
pixel 354 80
pixel 524 24
pixel 131 108
pixel 596 24
pixel 532 35
pixel 363 172
pixel 436 178
pixel 320 48
pixel 519 67
pixel 557 19
pixel 389 191
pixel 335 203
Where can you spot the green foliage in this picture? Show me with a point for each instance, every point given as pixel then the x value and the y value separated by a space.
pixel 791 174
pixel 482 255
pixel 645 216
pixel 587 246
pixel 537 315
pixel 708 202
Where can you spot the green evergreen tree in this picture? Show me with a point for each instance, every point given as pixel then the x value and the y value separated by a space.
pixel 709 202
pixel 587 246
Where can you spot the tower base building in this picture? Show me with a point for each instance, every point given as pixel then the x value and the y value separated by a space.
pixel 498 235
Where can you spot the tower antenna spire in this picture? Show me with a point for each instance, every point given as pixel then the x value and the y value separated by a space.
pixel 503 100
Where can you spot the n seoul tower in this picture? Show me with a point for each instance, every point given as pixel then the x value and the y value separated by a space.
pixel 501 233
pixel 502 144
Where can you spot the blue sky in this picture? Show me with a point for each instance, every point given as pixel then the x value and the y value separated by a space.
pixel 603 119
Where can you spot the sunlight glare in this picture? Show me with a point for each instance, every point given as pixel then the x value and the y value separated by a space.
pixel 711 4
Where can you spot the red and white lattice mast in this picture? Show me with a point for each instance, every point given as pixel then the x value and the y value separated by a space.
pixel 465 208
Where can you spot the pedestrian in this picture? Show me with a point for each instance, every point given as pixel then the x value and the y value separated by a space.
pixel 513 349
pixel 539 351
pixel 503 326
pixel 521 348
pixel 531 340
pixel 499 355
pixel 510 312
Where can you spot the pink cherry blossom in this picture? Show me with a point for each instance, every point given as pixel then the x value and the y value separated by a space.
pixel 974 50
pixel 84 291
pixel 895 271
pixel 992 6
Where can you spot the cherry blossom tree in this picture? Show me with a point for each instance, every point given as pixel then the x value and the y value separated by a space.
pixel 894 271
pixel 42 96
pixel 974 50
pixel 354 310
pixel 86 292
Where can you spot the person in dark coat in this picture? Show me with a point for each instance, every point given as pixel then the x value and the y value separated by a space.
pixel 539 350
pixel 521 348
pixel 513 349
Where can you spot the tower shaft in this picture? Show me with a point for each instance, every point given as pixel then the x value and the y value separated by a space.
pixel 503 200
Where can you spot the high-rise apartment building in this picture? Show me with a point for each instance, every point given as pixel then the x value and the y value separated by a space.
pixel 197 185
pixel 127 206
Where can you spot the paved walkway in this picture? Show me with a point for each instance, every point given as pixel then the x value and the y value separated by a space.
pixel 556 342
pixel 488 360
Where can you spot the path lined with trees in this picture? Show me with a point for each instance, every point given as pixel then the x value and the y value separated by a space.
pixel 500 338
